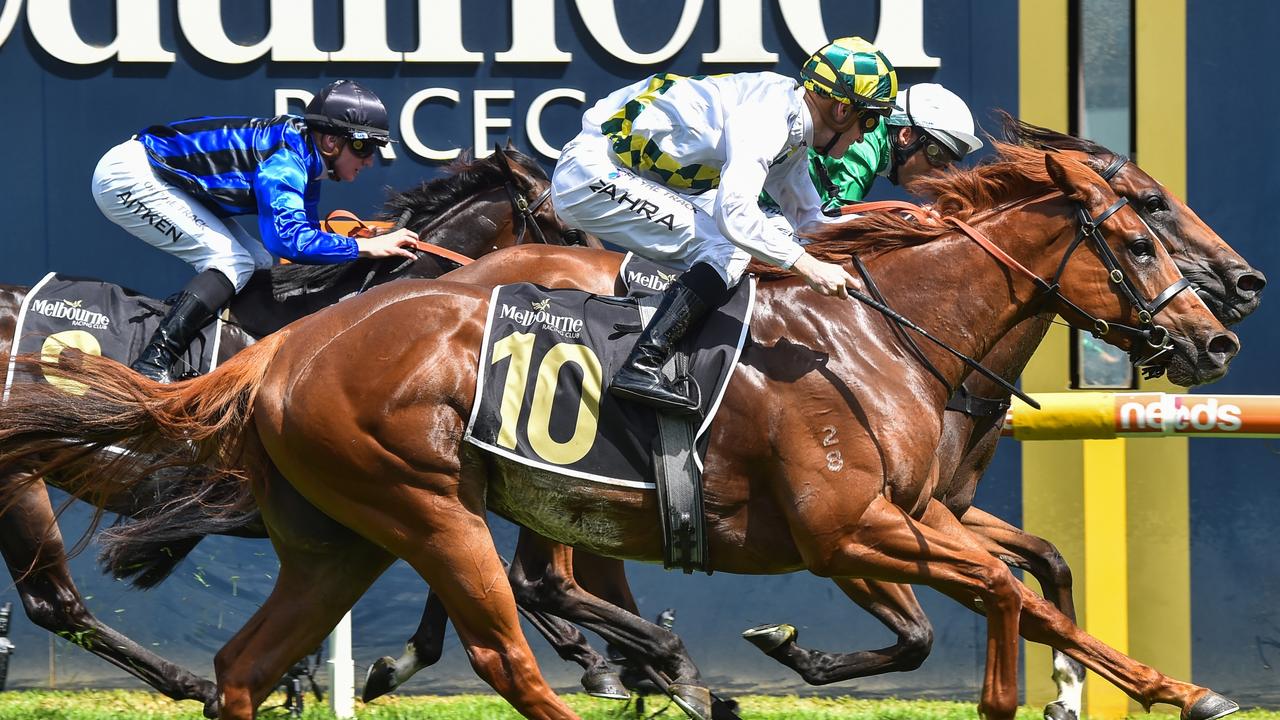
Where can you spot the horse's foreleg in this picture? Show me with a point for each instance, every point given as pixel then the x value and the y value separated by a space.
pixel 1040 558
pixel 1043 623
pixel 892 604
pixel 542 576
pixel 34 553
pixel 883 542
pixel 422 651
pixel 598 679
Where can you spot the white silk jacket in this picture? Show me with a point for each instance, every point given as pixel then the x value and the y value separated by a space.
pixel 731 134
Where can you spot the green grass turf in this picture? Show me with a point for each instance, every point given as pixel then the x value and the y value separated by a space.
pixel 137 705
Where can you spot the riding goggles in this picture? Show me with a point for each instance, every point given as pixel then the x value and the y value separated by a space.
pixel 364 147
pixel 937 154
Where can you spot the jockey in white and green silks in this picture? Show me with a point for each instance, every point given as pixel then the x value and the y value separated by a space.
pixel 930 129
pixel 672 169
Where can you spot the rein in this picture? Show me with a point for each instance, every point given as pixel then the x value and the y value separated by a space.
pixel 370 228
pixel 1156 336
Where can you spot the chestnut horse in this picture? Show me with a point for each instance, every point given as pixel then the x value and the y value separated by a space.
pixel 478 206
pixel 1227 283
pixel 381 453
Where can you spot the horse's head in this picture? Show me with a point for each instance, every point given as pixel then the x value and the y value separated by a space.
pixel 1224 280
pixel 1128 290
pixel 533 211
pixel 481 205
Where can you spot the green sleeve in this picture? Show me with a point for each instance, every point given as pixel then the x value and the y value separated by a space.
pixel 852 175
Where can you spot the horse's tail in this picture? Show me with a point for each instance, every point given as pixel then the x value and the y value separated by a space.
pixel 104 429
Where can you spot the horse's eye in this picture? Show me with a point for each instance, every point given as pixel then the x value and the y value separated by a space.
pixel 1155 204
pixel 1142 247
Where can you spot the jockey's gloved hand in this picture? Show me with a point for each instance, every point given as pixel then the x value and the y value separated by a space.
pixel 824 277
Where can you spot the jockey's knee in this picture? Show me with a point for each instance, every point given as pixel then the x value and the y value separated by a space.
pixel 234 271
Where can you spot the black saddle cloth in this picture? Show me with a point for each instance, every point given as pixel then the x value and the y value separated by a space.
pixel 542 390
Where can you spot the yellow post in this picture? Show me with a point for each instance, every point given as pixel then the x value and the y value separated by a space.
pixel 1052 497
pixel 1158 504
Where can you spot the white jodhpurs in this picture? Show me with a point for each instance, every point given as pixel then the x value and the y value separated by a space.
pixel 595 195
pixel 130 194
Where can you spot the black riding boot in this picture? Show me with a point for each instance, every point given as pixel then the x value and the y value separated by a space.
pixel 194 308
pixel 640 379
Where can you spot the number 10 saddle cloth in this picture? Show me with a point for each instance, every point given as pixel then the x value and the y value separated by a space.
pixel 542 391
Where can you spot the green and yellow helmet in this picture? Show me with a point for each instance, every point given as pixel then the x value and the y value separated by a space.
pixel 852 71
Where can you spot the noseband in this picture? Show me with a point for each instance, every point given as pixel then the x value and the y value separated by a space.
pixel 1155 337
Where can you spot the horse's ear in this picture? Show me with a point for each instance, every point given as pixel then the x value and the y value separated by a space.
pixel 1066 174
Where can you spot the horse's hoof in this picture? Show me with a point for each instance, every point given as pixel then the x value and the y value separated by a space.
pixel 1210 706
pixel 605 684
pixel 695 701
pixel 1058 710
pixel 381 679
pixel 211 709
pixel 724 708
pixel 770 637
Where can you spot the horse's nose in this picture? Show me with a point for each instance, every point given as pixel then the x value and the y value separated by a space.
pixel 1222 348
pixel 1249 282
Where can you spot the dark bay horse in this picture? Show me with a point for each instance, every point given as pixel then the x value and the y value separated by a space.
pixel 381 453
pixel 476 207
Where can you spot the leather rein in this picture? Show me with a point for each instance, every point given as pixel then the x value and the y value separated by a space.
pixel 1156 337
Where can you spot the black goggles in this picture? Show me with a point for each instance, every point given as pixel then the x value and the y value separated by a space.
pixel 869 119
pixel 363 147
pixel 935 153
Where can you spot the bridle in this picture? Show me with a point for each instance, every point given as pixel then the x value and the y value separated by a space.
pixel 1156 337
pixel 524 210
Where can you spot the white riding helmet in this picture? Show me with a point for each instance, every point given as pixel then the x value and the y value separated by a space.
pixel 941 113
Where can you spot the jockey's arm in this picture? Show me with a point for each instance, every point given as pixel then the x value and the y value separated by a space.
pixel 286 225
pixel 751 142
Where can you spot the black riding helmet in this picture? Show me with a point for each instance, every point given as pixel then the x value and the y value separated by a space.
pixel 349 109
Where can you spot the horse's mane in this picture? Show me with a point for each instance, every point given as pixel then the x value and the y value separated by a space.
pixel 1020 132
pixel 463 178
pixel 1013 173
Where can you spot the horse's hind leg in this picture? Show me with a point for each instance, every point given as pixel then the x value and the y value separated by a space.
pixel 1043 561
pixel 892 604
pixel 422 651
pixel 457 558
pixel 33 550
pixel 315 587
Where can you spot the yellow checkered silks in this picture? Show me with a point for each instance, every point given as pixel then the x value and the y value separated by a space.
pixel 641 153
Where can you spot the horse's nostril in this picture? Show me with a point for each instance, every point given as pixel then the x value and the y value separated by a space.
pixel 1248 283
pixel 1224 345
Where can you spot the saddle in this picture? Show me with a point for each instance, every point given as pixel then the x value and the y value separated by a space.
pixel 99 318
pixel 106 319
pixel 542 393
